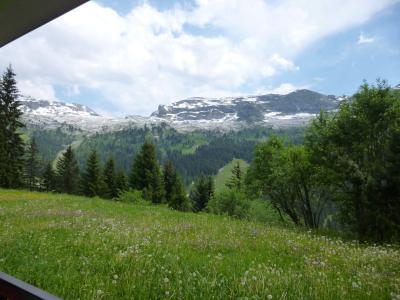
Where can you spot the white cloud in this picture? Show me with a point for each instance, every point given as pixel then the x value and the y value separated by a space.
pixel 282 89
pixel 37 90
pixel 147 57
pixel 362 39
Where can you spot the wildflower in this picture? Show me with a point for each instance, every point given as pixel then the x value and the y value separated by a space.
pixel 167 293
pixel 166 280
pixel 254 278
pixel 115 276
pixel 269 296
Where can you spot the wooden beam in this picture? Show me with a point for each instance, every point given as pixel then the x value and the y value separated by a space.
pixel 18 17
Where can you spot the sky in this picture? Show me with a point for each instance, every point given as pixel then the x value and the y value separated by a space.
pixel 123 57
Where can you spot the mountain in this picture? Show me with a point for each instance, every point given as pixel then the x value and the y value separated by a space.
pixel 233 113
pixel 293 109
pixel 53 115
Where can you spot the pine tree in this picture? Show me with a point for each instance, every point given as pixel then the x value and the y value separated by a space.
pixel 175 194
pixel 11 143
pixel 121 182
pixel 68 172
pixel 202 192
pixel 235 181
pixel 92 177
pixel 32 165
pixel 110 180
pixel 48 178
pixel 170 175
pixel 146 174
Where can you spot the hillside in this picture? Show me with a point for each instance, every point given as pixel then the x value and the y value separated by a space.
pixel 223 175
pixel 193 153
pixel 84 248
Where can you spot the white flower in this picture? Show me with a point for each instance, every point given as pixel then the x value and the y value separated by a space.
pixel 115 276
pixel 269 296
pixel 166 280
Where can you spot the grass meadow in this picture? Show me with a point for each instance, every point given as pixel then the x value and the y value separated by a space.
pixel 80 248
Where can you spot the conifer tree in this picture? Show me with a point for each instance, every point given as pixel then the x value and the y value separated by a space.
pixel 11 143
pixel 92 177
pixel 48 178
pixel 202 192
pixel 68 172
pixel 169 174
pixel 121 182
pixel 175 194
pixel 32 165
pixel 235 181
pixel 110 180
pixel 146 174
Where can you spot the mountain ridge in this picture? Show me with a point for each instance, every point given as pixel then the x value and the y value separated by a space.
pixel 230 113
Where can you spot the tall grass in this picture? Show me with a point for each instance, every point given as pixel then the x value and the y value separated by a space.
pixel 80 248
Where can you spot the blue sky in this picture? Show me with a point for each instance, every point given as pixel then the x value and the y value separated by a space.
pixel 128 56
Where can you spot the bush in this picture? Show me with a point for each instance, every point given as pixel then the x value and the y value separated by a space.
pixel 131 196
pixel 262 211
pixel 230 202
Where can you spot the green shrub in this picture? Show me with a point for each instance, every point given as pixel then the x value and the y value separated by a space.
pixel 230 202
pixel 131 196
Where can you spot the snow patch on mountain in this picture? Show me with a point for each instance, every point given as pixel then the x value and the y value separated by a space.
pixel 229 113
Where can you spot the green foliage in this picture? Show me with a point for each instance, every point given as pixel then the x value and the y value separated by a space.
pixel 202 192
pixel 32 168
pixel 110 180
pixel 91 178
pixel 67 172
pixel 358 149
pixel 131 196
pixel 231 202
pixel 121 181
pixel 225 173
pixel 192 153
pixel 146 174
pixel 49 178
pixel 285 176
pixel 175 194
pixel 50 142
pixel 11 143
pixel 236 180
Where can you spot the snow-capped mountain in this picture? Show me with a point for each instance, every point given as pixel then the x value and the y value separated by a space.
pixel 293 109
pixel 54 114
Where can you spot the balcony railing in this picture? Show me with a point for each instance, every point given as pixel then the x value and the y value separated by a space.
pixel 12 288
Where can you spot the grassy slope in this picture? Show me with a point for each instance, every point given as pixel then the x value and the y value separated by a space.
pixel 226 172
pixel 84 248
